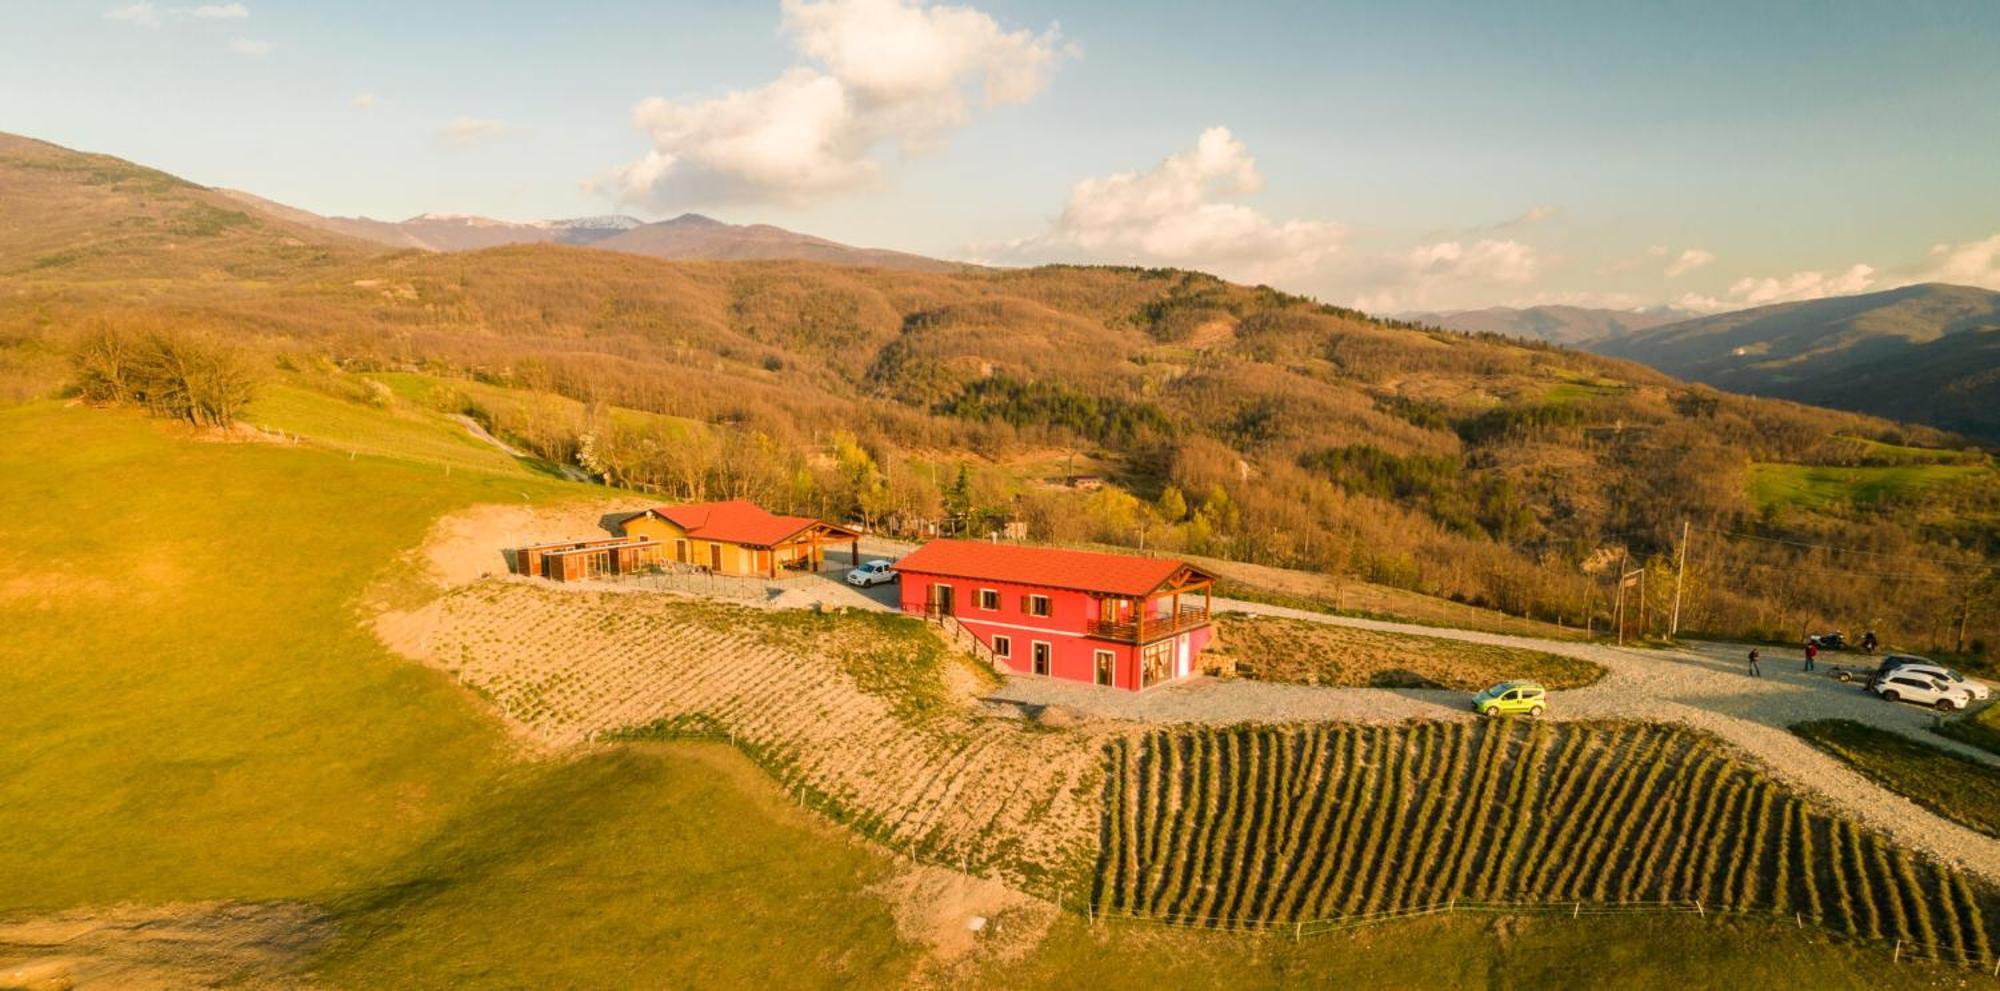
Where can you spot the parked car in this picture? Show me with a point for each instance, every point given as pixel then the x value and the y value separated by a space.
pixel 1977 690
pixel 1891 663
pixel 1511 698
pixel 874 572
pixel 1904 685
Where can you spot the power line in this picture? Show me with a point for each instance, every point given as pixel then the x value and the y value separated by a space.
pixel 1840 550
pixel 1841 573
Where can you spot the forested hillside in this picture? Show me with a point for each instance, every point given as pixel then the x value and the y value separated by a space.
pixel 1229 420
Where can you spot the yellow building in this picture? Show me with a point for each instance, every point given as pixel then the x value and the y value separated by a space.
pixel 738 537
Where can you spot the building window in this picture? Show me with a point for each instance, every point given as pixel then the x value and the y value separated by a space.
pixel 1107 666
pixel 1038 605
pixel 989 599
pixel 1003 646
pixel 1043 654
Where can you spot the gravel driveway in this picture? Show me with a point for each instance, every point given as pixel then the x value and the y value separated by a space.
pixel 1704 686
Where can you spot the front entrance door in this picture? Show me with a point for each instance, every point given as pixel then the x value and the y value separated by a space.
pixel 681 551
pixel 715 557
pixel 1106 662
pixel 941 599
pixel 1042 651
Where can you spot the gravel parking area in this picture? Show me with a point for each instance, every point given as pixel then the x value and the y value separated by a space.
pixel 1703 686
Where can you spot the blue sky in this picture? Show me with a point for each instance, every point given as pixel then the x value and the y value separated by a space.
pixel 1398 156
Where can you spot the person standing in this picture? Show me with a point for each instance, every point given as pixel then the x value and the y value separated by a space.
pixel 1812 651
pixel 1755 671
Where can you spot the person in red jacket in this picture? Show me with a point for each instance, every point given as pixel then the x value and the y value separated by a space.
pixel 1812 651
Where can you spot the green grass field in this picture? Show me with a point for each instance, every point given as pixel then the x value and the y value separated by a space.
pixel 1962 790
pixel 1818 486
pixel 639 866
pixel 195 712
pixel 397 429
pixel 1981 729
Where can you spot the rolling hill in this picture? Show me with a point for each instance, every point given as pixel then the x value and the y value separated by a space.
pixel 1925 353
pixel 1569 326
pixel 1231 421
pixel 689 236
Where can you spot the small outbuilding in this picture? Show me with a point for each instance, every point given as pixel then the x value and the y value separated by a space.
pixel 738 537
pixel 574 560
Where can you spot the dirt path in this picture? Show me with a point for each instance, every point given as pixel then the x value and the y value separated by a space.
pixel 1704 686
pixel 479 431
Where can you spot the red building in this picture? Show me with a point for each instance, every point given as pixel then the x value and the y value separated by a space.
pixel 1105 619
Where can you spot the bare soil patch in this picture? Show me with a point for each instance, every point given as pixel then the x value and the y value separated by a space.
pixel 163 948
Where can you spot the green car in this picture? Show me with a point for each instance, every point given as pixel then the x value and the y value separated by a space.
pixel 1510 698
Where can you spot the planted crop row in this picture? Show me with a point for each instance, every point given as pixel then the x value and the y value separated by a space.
pixel 1250 826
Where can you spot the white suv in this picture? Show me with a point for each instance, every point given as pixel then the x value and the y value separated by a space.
pixel 1937 672
pixel 1903 685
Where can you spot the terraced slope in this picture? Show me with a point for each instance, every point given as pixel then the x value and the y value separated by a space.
pixel 857 710
pixel 1276 825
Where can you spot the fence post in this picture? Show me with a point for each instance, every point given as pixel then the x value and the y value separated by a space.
pixel 1800 918
pixel 1698 908
pixel 1996 966
pixel 1897 957
pixel 1451 907
pixel 1576 910
pixel 1298 930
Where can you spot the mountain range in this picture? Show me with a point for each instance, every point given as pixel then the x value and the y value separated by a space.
pixel 689 236
pixel 1569 326
pixel 1927 352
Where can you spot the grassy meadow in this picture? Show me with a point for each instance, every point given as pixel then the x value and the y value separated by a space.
pixel 1270 648
pixel 1822 486
pixel 1962 790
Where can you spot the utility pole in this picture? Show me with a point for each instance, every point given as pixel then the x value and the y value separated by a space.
pixel 1680 571
pixel 1620 612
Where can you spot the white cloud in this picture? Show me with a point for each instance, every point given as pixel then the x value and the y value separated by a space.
pixel 881 72
pixel 1188 212
pixel 134 13
pixel 220 11
pixel 1974 263
pixel 250 46
pixel 1537 214
pixel 365 101
pixel 1688 261
pixel 1445 273
pixel 1751 291
pixel 464 132
pixel 1182 212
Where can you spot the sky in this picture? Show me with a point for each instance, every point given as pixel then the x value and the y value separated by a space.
pixel 1396 157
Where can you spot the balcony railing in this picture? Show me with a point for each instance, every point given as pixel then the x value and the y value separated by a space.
pixel 1188 618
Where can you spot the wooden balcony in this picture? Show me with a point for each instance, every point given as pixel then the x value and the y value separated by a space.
pixel 1153 628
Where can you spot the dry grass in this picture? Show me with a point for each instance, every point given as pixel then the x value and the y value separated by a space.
pixel 1273 649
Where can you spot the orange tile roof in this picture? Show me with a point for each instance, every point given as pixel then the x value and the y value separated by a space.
pixel 1085 571
pixel 737 521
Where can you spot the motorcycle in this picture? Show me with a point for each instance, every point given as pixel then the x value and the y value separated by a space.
pixel 1829 641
